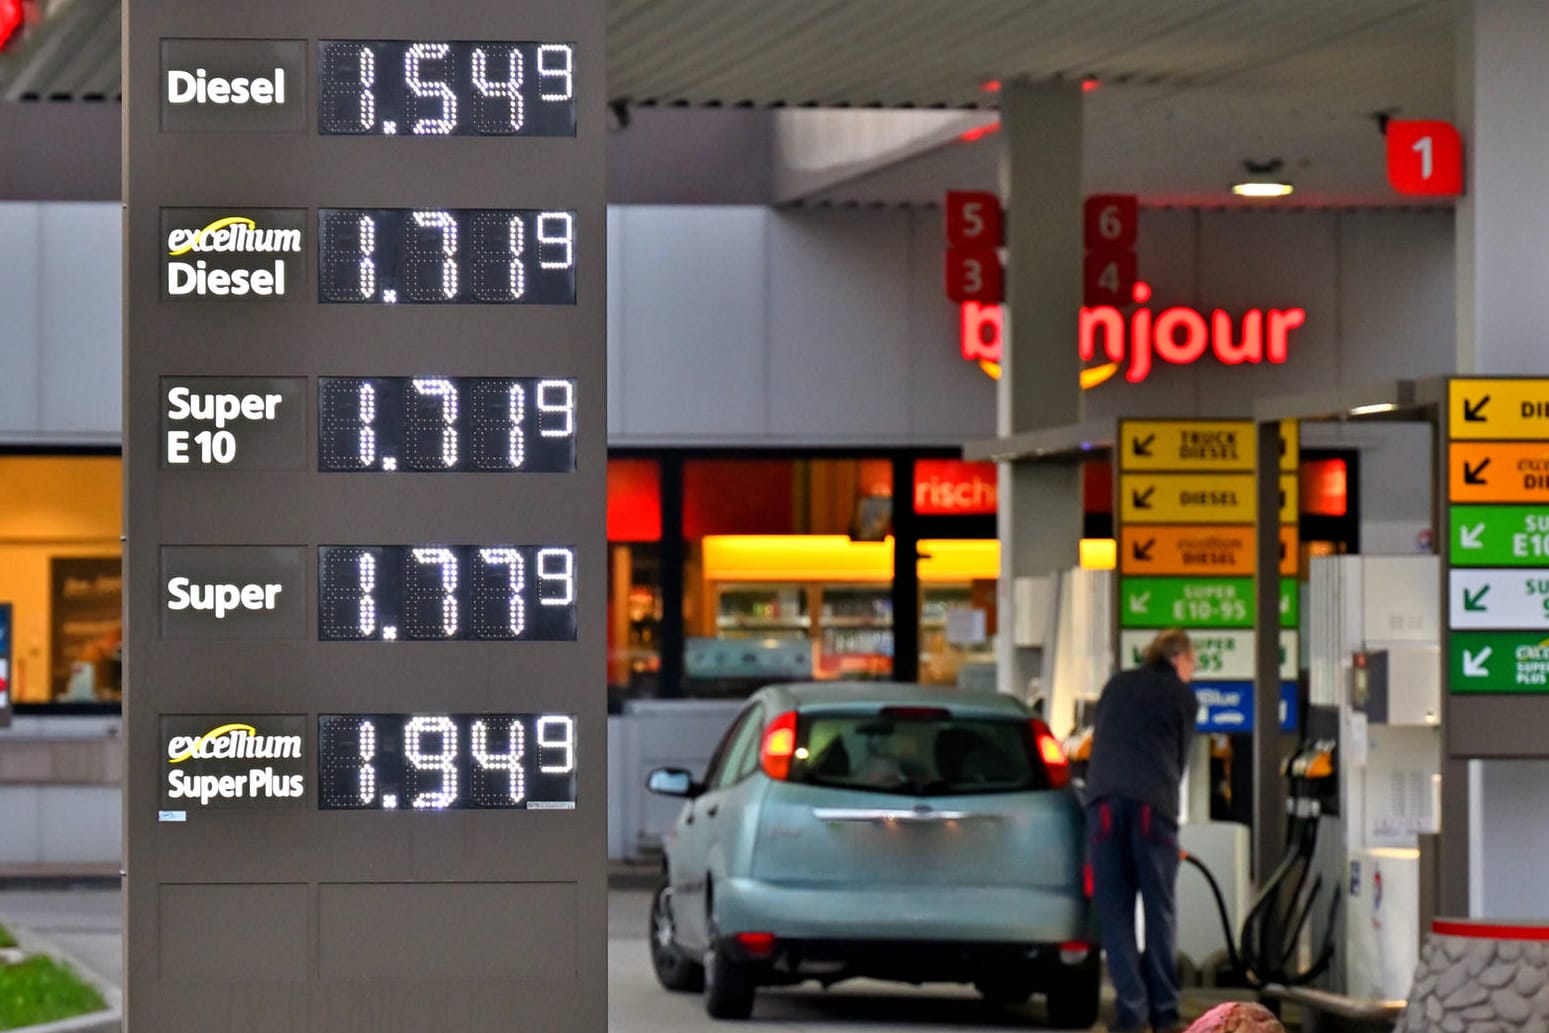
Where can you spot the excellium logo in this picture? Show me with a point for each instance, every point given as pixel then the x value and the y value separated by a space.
pixel 214 254
pixel 1177 335
pixel 217 765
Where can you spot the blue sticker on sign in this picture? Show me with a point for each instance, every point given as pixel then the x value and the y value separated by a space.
pixel 1226 707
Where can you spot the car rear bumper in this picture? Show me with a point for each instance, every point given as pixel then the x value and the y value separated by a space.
pixel 904 914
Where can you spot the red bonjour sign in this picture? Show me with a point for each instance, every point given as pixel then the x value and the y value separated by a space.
pixel 10 20
pixel 1425 158
pixel 974 219
pixel 951 487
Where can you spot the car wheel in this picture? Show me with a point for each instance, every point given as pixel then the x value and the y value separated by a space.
pixel 1075 1000
pixel 729 986
pixel 674 969
pixel 1007 986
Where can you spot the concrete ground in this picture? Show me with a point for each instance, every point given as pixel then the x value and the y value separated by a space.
pixel 87 924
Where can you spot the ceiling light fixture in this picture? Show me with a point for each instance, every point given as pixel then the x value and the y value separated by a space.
pixel 1261 189
pixel 1262 181
pixel 1374 409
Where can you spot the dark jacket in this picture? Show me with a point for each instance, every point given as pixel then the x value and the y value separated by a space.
pixel 1140 744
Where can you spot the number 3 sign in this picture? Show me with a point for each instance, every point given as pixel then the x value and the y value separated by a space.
pixel 975 228
pixel 1425 158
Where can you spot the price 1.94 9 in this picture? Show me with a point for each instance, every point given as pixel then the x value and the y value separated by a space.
pixel 437 762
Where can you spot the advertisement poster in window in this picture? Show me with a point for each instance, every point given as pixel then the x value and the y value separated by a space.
pixel 86 628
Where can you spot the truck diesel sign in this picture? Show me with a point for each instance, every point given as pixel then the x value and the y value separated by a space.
pixel 365 562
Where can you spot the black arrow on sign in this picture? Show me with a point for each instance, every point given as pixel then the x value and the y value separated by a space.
pixel 1472 410
pixel 1474 601
pixel 1142 499
pixel 1142 553
pixel 1472 474
pixel 1142 448
pixel 1282 552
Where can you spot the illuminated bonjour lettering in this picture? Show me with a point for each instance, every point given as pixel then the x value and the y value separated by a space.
pixel 1177 335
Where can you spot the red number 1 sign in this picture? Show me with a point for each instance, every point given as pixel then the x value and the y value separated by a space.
pixel 1425 158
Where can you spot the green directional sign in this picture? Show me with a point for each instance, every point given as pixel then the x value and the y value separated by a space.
pixel 1221 602
pixel 1499 661
pixel 1500 536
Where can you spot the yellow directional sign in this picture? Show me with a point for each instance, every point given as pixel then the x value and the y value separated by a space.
pixel 1499 410
pixel 1198 498
pixel 1187 445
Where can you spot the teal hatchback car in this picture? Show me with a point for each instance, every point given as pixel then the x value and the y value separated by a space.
pixel 879 830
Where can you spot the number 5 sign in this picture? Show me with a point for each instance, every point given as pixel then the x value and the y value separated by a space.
pixel 1425 158
pixel 975 229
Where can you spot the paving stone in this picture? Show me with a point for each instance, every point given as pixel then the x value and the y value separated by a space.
pixel 1466 996
pixel 1528 981
pixel 1497 975
pixel 1509 1006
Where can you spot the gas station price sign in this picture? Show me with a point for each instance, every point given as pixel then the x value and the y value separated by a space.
pixel 363 689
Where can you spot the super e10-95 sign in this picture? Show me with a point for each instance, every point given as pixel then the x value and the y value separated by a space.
pixel 386 593
pixel 440 256
pixel 438 762
pixel 396 88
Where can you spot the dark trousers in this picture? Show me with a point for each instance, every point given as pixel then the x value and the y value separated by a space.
pixel 1135 850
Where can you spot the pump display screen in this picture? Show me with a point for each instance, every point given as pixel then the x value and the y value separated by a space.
pixel 397 88
pixel 512 424
pixel 446 592
pixel 446 256
pixel 437 762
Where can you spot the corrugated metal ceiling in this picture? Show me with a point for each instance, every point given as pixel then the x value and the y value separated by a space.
pixel 1190 87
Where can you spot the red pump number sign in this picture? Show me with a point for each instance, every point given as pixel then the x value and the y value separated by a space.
pixel 1425 158
pixel 975 229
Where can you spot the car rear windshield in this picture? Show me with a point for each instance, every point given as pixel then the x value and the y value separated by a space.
pixel 932 754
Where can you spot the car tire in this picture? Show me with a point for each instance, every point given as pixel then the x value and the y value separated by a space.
pixel 729 986
pixel 1075 1001
pixel 1007 986
pixel 675 970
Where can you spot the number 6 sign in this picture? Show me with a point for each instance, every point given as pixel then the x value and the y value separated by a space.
pixel 1425 158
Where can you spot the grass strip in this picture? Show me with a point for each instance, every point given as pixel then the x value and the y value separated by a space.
pixel 39 989
pixel 6 939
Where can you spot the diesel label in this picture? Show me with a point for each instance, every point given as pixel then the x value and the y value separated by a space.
pixel 214 254
pixel 233 85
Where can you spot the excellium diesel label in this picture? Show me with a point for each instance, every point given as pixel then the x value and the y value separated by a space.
pixel 233 85
pixel 232 254
pixel 232 761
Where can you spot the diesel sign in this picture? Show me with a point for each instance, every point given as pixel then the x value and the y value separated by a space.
pixel 231 86
pixel 217 761
pixel 238 254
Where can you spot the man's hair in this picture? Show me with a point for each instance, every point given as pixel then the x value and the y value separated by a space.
pixel 1168 645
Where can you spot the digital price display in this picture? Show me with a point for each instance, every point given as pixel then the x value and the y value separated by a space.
pixel 446 256
pixel 514 424
pixel 447 592
pixel 393 88
pixel 438 762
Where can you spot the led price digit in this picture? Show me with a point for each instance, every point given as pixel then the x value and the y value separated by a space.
pixel 446 88
pixel 438 762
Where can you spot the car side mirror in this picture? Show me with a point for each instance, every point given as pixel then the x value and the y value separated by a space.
pixel 673 782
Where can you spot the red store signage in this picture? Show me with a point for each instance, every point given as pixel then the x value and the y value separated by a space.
pixel 952 487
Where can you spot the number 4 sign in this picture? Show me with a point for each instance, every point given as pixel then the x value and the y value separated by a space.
pixel 1425 158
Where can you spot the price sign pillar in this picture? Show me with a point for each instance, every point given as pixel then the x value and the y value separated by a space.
pixel 365 446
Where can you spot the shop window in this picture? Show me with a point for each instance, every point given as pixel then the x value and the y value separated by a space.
pixel 634 578
pixel 61 572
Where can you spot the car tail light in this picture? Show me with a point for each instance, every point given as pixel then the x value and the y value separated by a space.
pixel 1088 881
pixel 1074 952
pixel 1052 755
pixel 756 945
pixel 779 746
